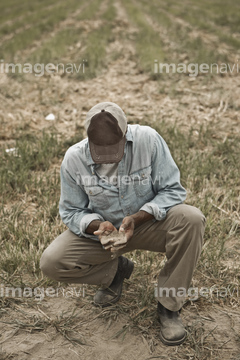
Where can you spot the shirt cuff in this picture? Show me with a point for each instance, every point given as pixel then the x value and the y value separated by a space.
pixel 85 221
pixel 153 209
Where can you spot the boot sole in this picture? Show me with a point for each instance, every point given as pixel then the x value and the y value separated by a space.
pixel 172 342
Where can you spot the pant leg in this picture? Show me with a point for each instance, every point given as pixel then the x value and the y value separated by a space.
pixel 79 260
pixel 180 236
pixel 72 259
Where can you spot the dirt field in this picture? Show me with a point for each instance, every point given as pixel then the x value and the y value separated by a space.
pixel 69 325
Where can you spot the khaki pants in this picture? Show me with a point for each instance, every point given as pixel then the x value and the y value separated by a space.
pixel 72 259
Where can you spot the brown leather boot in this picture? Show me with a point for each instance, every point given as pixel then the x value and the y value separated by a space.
pixel 108 296
pixel 172 330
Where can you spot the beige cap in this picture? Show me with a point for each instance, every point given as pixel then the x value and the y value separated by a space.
pixel 106 126
pixel 113 109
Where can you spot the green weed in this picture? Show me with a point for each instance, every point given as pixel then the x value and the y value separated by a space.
pixel 95 43
pixel 147 41
pixel 26 37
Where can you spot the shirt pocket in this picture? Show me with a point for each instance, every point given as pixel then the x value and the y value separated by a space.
pixel 142 181
pixel 97 197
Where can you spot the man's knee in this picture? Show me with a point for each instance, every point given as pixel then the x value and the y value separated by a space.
pixel 194 217
pixel 190 223
pixel 48 264
pixel 53 259
pixel 190 216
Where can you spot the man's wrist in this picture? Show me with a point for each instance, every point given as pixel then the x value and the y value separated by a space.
pixel 141 217
pixel 93 226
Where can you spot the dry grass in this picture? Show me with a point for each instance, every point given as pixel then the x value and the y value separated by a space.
pixel 203 136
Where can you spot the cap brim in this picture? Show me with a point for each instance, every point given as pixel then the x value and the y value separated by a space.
pixel 107 154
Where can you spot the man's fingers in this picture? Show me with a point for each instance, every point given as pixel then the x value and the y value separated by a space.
pixel 112 239
pixel 98 232
pixel 123 227
pixel 117 248
pixel 107 247
pixel 102 232
pixel 126 224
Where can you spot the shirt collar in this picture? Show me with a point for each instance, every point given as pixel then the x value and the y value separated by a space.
pixel 90 161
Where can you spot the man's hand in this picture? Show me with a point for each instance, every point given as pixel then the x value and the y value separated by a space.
pixel 110 238
pixel 129 223
pixel 127 227
pixel 105 229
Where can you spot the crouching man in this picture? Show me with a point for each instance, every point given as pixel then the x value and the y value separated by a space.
pixel 121 191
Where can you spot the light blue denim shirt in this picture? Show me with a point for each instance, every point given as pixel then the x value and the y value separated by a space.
pixel 148 179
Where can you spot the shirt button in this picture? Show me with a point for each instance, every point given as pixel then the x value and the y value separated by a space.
pixel 122 196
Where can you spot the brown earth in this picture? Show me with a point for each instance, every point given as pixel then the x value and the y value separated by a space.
pixel 194 103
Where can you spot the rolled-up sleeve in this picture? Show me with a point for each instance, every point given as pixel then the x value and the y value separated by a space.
pixel 165 180
pixel 86 220
pixel 73 206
